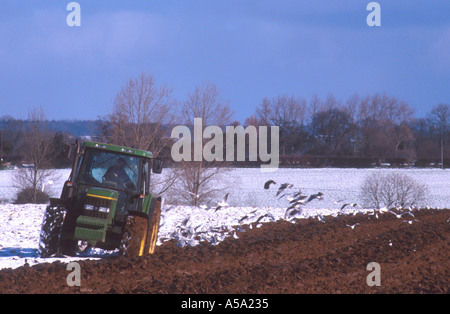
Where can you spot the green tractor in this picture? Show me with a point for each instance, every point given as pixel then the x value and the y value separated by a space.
pixel 105 203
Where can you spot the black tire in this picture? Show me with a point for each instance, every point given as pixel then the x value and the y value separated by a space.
pixel 49 237
pixel 68 247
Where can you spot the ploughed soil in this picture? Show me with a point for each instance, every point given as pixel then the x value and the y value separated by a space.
pixel 308 256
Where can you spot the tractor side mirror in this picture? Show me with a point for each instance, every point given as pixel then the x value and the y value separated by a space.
pixel 72 149
pixel 157 166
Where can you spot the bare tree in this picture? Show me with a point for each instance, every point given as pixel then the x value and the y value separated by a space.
pixel 440 120
pixel 283 111
pixel 205 103
pixel 424 143
pixel 252 120
pixel 385 109
pixel 331 102
pixel 198 181
pixel 315 105
pixel 142 110
pixel 141 115
pixel 382 126
pixel 334 127
pixel 392 189
pixel 286 112
pixel 37 144
pixel 352 108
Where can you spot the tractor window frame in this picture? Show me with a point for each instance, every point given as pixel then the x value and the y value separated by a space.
pixel 146 171
pixel 87 161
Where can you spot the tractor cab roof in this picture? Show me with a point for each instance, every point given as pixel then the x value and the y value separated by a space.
pixel 119 149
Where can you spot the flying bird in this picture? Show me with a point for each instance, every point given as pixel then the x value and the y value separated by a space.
pixel 242 219
pixel 313 196
pixel 353 226
pixel 268 183
pixel 300 200
pixel 283 187
pixel 193 194
pixel 185 220
pixel 263 216
pixel 400 215
pixel 295 196
pixel 293 210
pixel 222 203
pixel 349 204
pixel 385 209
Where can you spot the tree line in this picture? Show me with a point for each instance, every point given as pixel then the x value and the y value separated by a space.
pixel 374 128
pixel 377 128
pixel 361 131
pixel 367 129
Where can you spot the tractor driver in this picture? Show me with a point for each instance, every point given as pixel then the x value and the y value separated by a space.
pixel 117 173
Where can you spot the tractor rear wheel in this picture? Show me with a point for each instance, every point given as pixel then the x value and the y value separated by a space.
pixel 49 237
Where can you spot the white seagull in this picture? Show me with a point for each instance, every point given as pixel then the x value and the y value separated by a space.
pixel 349 204
pixel 410 221
pixel 193 194
pixel 293 210
pixel 321 218
pixel 400 215
pixel 297 198
pixel 266 215
pixel 222 203
pixel 353 226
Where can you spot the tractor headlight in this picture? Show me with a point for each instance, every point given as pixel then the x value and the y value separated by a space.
pixel 88 207
pixel 103 209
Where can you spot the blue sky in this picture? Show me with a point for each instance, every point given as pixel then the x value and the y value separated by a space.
pixel 250 49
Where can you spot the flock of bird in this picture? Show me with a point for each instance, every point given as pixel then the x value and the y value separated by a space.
pixel 191 233
pixel 296 199
pixel 188 234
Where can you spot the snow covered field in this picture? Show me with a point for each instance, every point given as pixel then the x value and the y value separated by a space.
pixel 248 203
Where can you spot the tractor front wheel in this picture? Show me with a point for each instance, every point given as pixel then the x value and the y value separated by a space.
pixel 134 236
pixel 140 235
pixel 153 230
